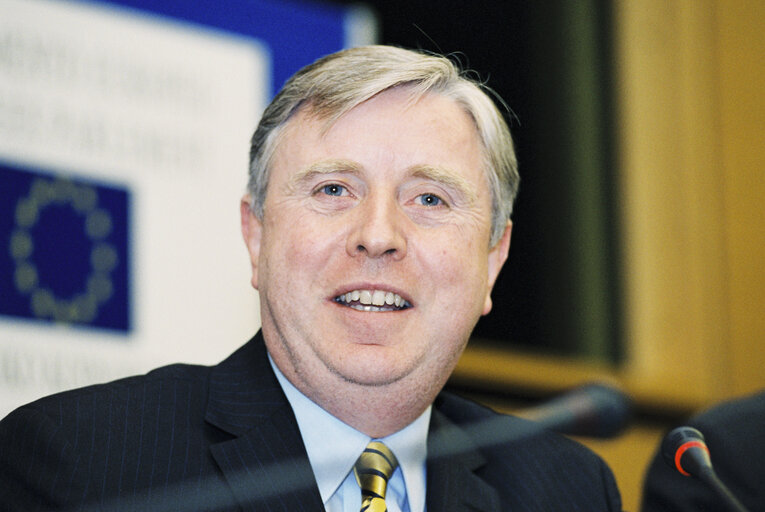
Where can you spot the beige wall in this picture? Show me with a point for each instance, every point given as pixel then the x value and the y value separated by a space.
pixel 692 141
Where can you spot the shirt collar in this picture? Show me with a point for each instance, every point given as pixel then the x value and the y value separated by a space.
pixel 333 446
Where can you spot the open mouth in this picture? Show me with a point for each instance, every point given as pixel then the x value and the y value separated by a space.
pixel 373 300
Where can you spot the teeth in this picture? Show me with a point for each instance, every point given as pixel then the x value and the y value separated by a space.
pixel 372 300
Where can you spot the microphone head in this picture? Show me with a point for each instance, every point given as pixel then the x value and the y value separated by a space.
pixel 685 450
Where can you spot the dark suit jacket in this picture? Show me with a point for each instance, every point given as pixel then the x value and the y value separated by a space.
pixel 224 438
pixel 734 431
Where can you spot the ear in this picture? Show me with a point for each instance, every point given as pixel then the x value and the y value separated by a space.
pixel 252 230
pixel 497 257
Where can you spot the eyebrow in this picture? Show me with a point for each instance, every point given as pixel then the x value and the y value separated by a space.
pixel 322 168
pixel 448 178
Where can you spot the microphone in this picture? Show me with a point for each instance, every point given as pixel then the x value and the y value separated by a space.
pixel 685 450
pixel 595 410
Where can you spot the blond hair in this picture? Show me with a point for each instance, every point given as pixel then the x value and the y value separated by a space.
pixel 335 84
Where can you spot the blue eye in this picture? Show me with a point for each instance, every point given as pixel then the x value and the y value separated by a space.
pixel 430 200
pixel 333 189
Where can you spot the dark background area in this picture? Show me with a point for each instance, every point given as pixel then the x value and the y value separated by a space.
pixel 551 63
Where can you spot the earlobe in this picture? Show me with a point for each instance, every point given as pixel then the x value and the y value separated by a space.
pixel 497 258
pixel 252 230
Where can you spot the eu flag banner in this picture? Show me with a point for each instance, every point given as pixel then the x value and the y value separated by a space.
pixel 65 249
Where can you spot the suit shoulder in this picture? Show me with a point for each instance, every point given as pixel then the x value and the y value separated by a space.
pixel 499 435
pixel 735 413
pixel 82 444
pixel 464 411
pixel 540 467
pixel 510 430
pixel 151 387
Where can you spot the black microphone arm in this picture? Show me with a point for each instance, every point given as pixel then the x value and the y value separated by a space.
pixel 685 450
pixel 594 410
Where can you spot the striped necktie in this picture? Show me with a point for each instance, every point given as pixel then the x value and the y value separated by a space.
pixel 373 469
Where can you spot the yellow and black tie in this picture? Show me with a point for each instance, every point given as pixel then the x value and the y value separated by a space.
pixel 373 469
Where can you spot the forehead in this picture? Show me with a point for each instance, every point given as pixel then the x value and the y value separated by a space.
pixel 394 128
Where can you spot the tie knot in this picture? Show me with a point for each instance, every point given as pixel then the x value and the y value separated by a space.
pixel 373 469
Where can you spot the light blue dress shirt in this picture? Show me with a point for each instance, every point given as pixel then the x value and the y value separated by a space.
pixel 333 448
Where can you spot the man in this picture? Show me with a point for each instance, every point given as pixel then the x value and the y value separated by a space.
pixel 376 220
pixel 734 432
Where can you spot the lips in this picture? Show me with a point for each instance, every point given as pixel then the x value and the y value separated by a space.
pixel 373 300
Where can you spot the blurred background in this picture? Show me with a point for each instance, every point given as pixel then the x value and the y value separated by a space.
pixel 639 232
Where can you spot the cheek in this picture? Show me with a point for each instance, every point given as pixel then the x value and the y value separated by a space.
pixel 459 266
pixel 295 245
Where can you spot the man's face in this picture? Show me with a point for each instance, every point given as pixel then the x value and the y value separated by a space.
pixel 372 259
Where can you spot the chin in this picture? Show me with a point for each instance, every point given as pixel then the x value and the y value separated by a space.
pixel 371 371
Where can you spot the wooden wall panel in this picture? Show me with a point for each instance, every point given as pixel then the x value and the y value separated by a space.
pixel 741 50
pixel 674 264
pixel 691 132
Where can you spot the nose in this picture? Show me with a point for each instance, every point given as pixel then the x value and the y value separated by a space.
pixel 378 229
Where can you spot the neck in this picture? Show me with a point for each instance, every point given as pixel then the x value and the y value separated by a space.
pixel 377 411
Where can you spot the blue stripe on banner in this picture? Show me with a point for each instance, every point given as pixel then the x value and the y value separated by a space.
pixel 297 32
pixel 64 249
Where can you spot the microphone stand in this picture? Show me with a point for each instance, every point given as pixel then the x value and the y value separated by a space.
pixel 707 475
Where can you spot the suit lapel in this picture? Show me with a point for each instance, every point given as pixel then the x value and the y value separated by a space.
pixel 265 464
pixel 453 459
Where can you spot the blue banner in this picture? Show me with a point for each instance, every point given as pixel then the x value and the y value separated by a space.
pixel 64 249
pixel 297 33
